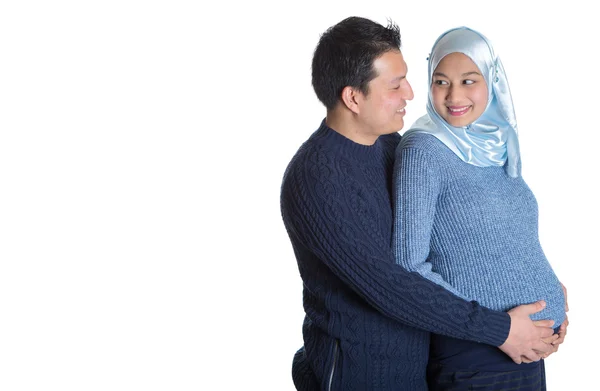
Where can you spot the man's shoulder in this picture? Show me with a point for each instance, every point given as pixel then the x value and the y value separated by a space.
pixel 390 141
pixel 311 158
pixel 391 138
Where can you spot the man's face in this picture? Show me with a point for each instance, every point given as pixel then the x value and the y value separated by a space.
pixel 382 110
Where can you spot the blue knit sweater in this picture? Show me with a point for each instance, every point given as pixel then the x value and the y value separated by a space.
pixel 365 315
pixel 472 230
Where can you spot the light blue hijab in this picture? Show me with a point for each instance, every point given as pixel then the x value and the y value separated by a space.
pixel 492 139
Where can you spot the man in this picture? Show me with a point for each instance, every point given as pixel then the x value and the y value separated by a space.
pixel 367 319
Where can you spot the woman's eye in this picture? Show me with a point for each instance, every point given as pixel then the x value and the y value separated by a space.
pixel 440 82
pixel 469 82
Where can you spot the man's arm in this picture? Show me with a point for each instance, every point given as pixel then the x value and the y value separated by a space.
pixel 314 204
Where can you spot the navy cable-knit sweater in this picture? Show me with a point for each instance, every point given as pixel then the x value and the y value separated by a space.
pixel 367 318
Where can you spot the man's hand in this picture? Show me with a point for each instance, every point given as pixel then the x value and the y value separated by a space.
pixel 556 339
pixel 562 331
pixel 524 342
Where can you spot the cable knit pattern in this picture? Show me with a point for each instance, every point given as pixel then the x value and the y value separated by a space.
pixel 365 315
pixel 472 230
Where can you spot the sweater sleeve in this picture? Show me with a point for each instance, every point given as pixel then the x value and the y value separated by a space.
pixel 321 208
pixel 416 187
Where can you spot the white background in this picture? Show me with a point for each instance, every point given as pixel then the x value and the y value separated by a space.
pixel 142 146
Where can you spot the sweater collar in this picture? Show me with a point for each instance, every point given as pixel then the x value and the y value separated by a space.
pixel 343 145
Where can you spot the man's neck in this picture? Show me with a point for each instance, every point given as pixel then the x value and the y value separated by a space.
pixel 345 123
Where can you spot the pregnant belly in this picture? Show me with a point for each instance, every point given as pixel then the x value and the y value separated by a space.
pixel 512 287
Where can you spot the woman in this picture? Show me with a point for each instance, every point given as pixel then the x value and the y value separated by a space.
pixel 464 217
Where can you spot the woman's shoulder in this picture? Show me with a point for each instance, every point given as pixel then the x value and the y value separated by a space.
pixel 423 141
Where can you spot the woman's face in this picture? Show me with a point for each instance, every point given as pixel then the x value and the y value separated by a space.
pixel 458 90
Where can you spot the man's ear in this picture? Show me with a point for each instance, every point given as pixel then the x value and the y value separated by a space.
pixel 351 98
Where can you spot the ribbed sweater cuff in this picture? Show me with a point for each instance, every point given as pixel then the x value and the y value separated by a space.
pixel 497 328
